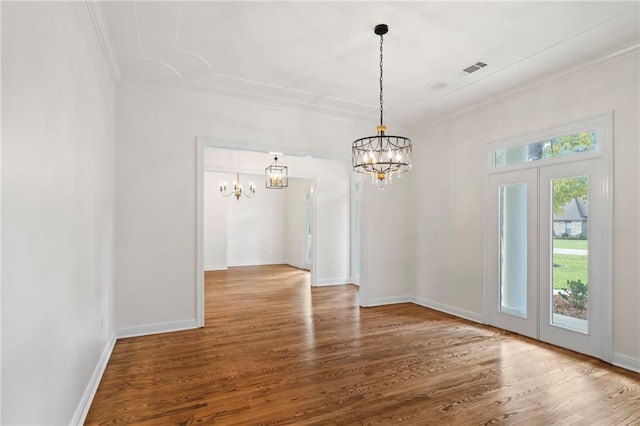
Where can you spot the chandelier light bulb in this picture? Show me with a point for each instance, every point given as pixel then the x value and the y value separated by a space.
pixel 237 189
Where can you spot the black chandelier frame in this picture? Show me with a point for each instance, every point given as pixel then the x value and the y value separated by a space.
pixel 381 156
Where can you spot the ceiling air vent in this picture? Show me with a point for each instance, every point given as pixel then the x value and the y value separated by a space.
pixel 475 67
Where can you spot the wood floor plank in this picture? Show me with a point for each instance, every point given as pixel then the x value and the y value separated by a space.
pixel 275 351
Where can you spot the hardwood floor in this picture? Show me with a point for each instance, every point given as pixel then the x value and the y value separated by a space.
pixel 275 351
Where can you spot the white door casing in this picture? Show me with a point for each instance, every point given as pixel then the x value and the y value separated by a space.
pixel 536 175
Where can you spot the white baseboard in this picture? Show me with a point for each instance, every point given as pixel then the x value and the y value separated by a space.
pixel 626 362
pixel 471 316
pixel 461 313
pixel 297 265
pixel 216 268
pixel 90 391
pixel 388 300
pixel 331 281
pixel 164 327
pixel 258 263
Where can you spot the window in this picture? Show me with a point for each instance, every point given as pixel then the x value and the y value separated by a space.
pixel 550 148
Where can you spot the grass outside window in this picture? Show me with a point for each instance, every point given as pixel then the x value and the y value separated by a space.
pixel 571 244
pixel 569 267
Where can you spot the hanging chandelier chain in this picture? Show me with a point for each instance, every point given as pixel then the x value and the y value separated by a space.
pixel 381 156
pixel 381 39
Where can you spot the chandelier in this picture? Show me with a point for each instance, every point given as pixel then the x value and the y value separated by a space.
pixel 237 189
pixel 381 156
pixel 276 176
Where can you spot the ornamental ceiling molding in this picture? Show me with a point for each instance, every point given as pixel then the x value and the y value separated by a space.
pixel 364 117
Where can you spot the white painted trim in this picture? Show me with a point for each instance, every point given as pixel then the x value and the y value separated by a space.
pixel 332 281
pixel 608 199
pixel 298 265
pixel 288 262
pixel 461 313
pixel 486 244
pixel 604 124
pixel 381 301
pixel 164 327
pixel 200 233
pixel 238 145
pixel 355 118
pixel 363 283
pixel 201 144
pixel 104 37
pixel 535 85
pixel 626 362
pixel 297 107
pixel 82 410
pixel 258 263
pixel 314 232
pixel 233 170
pixel 430 304
pixel 216 268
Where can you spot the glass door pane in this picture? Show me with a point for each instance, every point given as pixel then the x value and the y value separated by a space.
pixel 572 275
pixel 511 245
pixel 569 270
pixel 513 249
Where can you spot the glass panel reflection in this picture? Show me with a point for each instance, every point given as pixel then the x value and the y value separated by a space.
pixel 513 249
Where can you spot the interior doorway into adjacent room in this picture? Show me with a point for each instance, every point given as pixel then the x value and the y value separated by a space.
pixel 333 175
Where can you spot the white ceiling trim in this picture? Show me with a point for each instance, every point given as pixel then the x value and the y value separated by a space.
pixel 348 117
pixel 307 108
pixel 537 84
pixel 104 37
pixel 210 142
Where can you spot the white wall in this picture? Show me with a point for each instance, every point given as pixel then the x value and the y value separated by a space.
pixel 388 237
pixel 255 227
pixel 451 159
pixel 215 223
pixel 58 114
pixel 156 194
pixel 266 229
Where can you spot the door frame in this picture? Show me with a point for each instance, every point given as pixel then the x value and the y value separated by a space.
pixel 603 123
pixel 201 144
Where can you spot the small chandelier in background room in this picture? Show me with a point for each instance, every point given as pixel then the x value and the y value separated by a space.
pixel 276 176
pixel 381 156
pixel 237 189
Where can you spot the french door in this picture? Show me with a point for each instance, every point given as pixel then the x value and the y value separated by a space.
pixel 546 254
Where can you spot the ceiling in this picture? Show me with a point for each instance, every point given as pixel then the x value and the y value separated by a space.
pixel 322 58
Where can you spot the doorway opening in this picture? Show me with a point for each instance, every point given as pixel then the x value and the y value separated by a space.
pixel 320 238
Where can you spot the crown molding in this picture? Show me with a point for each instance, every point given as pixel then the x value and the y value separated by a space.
pixel 537 84
pixel 240 145
pixel 325 112
pixel 104 37
pixel 304 108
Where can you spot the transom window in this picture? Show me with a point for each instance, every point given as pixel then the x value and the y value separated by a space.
pixel 541 150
